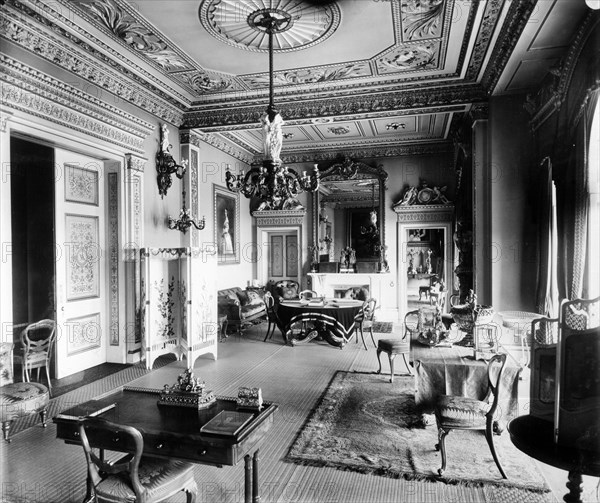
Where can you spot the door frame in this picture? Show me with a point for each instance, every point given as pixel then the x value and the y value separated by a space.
pixel 43 131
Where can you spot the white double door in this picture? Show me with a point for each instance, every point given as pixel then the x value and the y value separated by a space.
pixel 80 254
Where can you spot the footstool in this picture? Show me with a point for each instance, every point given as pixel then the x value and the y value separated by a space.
pixel 393 347
pixel 21 398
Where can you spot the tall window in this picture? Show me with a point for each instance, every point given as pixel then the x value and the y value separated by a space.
pixel 593 273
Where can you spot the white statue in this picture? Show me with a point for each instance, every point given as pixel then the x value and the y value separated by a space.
pixel 165 145
pixel 272 136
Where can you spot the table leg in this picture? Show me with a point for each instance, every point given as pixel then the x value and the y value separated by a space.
pixel 574 486
pixel 247 479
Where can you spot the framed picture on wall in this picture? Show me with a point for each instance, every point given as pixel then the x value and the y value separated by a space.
pixel 226 225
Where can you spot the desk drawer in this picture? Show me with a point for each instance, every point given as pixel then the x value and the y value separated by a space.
pixel 190 449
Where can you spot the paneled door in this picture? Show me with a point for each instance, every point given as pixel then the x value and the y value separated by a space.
pixel 283 255
pixel 80 252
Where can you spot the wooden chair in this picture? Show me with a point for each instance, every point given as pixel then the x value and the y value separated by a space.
pixel 464 413
pixel 365 318
pixel 272 318
pixel 308 294
pixel 37 341
pixel 396 346
pixel 21 398
pixel 133 477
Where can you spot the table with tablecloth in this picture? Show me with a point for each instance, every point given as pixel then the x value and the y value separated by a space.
pixel 334 322
pixel 454 371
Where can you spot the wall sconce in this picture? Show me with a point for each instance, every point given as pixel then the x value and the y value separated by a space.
pixel 165 164
pixel 185 221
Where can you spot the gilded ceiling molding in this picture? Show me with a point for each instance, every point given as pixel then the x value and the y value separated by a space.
pixel 351 107
pixel 196 138
pixel 438 148
pixel 30 30
pixel 516 20
pixel 36 93
pixel 479 111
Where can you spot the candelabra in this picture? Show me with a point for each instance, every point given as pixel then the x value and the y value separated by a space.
pixel 276 185
pixel 185 221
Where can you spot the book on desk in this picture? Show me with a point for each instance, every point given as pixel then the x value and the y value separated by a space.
pixel 227 422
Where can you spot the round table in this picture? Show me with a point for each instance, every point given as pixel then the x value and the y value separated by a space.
pixel 337 320
pixel 535 437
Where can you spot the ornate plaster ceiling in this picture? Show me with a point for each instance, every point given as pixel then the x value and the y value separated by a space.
pixel 345 71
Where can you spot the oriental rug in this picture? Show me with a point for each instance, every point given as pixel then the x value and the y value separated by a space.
pixel 363 423
pixel 383 327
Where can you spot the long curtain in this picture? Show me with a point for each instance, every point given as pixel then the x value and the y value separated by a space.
pixel 547 286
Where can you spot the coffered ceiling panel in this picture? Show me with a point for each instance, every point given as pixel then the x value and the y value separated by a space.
pixel 373 76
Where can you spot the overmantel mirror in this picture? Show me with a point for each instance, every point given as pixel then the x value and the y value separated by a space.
pixel 349 214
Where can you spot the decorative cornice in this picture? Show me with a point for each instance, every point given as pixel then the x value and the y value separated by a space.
pixel 31 30
pixel 442 147
pixel 350 106
pixel 279 217
pixel 424 213
pixel 36 93
pixel 516 20
pixel 195 137
pixel 135 163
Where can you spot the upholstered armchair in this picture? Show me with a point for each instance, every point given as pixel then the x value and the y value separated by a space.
pixel 285 290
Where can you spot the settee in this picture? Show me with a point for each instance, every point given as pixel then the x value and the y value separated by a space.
pixel 241 305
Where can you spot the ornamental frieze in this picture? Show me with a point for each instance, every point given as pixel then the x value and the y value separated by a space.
pixel 39 94
pixel 348 106
pixel 30 30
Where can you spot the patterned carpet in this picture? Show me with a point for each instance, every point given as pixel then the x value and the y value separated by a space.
pixel 383 327
pixel 365 425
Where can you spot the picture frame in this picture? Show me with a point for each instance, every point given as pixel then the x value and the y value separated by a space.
pixel 226 214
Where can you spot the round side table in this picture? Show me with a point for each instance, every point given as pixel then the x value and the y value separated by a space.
pixel 534 437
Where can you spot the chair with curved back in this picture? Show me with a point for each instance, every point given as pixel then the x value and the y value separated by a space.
pixel 272 317
pixel 308 294
pixel 396 346
pixel 365 319
pixel 37 341
pixel 464 413
pixel 133 477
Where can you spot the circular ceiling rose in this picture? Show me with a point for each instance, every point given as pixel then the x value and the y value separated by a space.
pixel 238 23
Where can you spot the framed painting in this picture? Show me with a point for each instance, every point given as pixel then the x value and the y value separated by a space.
pixel 226 225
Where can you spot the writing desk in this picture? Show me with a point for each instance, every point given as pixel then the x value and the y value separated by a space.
pixel 174 432
pixel 535 437
pixel 337 319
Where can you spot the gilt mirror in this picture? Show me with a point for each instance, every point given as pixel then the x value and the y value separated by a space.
pixel 349 211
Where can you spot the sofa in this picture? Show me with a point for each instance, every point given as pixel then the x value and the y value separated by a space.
pixel 241 305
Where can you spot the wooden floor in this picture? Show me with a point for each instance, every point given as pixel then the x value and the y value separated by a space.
pixel 36 467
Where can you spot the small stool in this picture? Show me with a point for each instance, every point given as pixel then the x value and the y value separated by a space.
pixel 21 399
pixel 393 347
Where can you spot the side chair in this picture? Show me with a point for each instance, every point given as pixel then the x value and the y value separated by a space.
pixel 464 413
pixel 272 318
pixel 308 294
pixel 134 477
pixel 37 341
pixel 365 319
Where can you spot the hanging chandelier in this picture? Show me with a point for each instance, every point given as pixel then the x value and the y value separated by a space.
pixel 185 220
pixel 277 186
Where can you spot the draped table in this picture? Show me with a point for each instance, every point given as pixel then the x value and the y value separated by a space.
pixel 335 320
pixel 454 371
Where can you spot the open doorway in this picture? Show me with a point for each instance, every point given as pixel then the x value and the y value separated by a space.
pixel 32 228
